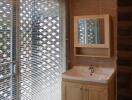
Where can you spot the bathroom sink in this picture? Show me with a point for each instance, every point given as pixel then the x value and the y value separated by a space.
pixel 101 74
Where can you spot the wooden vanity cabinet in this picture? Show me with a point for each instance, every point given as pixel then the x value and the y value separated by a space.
pixel 78 84
pixel 83 91
pixel 98 93
pixel 72 91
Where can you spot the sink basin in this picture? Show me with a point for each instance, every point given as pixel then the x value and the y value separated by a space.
pixel 101 74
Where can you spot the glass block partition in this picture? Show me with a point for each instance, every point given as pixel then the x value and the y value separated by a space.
pixel 40 51
pixel 41 69
pixel 7 59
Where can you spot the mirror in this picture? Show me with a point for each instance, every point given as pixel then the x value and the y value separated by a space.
pixel 91 30
pixel 92 36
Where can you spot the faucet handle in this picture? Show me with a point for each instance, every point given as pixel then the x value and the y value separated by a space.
pixel 91 67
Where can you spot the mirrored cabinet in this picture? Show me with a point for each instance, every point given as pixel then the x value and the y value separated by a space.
pixel 92 35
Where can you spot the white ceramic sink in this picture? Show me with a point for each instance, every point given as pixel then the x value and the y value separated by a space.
pixel 101 74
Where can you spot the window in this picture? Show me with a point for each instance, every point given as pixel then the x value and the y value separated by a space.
pixel 40 41
pixel 7 59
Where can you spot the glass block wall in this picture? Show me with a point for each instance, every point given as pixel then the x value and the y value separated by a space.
pixel 7 59
pixel 40 75
pixel 40 50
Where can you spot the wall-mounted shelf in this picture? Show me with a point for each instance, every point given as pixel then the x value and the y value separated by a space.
pixel 92 52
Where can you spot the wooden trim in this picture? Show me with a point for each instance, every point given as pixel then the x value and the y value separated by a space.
pixel 92 45
pixel 17 5
pixel 106 18
pixel 95 47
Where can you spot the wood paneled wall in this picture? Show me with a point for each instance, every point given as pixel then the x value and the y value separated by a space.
pixel 124 69
pixel 92 7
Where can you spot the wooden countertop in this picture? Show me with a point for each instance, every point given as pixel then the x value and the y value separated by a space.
pixel 80 73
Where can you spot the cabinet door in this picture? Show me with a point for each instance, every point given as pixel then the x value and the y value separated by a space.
pixel 72 91
pixel 97 93
pixel 86 93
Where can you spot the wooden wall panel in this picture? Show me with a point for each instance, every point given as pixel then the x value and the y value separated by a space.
pixel 93 7
pixel 124 69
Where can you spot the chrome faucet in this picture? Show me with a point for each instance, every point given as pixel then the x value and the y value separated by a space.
pixel 91 68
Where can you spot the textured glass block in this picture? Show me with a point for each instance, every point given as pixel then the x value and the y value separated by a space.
pixel 7 82
pixel 40 49
pixel 5 30
pixel 26 49
pixel 7 75
pixel 5 89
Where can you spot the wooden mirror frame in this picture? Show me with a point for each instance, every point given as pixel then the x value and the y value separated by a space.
pixel 106 31
pixel 93 50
